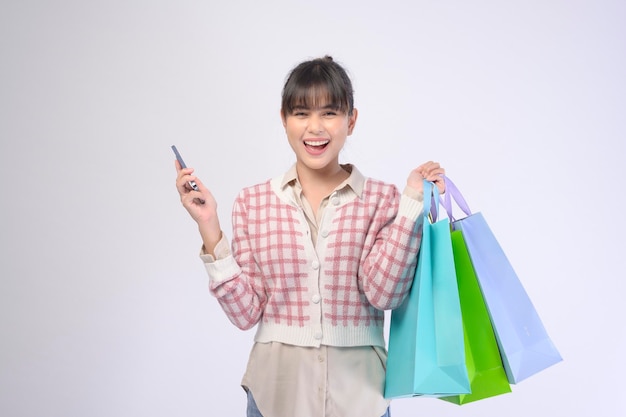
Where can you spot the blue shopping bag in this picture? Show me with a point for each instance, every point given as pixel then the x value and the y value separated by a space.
pixel 426 354
pixel 524 343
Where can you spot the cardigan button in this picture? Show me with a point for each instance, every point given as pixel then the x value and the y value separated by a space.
pixel 324 233
pixel 316 298
pixel 317 335
pixel 335 201
pixel 315 265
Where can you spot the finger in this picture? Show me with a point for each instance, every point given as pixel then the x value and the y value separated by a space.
pixel 192 199
pixel 180 169
pixel 433 170
pixel 201 193
pixel 423 167
pixel 427 168
pixel 184 176
pixel 183 186
pixel 436 173
pixel 199 183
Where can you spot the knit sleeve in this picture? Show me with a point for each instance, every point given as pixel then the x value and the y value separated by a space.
pixel 235 280
pixel 389 265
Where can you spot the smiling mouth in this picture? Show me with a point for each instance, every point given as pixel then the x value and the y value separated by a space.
pixel 316 144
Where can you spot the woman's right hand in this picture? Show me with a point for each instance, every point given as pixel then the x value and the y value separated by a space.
pixel 200 204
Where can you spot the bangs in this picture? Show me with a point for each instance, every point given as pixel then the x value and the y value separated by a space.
pixel 314 97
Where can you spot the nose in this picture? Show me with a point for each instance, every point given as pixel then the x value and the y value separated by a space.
pixel 316 125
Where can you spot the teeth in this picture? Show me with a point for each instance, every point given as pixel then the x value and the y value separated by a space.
pixel 316 142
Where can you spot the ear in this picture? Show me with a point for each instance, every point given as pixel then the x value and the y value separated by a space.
pixel 352 121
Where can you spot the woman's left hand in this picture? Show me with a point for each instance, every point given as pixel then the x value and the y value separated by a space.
pixel 430 171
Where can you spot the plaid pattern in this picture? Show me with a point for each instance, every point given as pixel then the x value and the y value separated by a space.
pixel 363 264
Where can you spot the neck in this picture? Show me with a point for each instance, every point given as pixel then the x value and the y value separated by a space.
pixel 326 179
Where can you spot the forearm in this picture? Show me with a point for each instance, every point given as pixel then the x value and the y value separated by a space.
pixel 211 233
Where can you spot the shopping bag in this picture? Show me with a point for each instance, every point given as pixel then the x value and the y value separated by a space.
pixel 525 346
pixel 426 354
pixel 482 355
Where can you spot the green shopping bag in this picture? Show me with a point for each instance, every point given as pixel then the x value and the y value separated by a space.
pixel 426 349
pixel 482 355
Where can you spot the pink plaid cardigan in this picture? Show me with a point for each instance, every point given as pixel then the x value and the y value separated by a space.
pixel 331 294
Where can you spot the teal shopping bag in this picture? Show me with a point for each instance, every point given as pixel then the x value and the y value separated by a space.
pixel 426 354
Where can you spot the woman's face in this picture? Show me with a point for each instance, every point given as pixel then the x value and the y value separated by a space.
pixel 317 135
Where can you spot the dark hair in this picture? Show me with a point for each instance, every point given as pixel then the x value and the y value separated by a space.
pixel 315 82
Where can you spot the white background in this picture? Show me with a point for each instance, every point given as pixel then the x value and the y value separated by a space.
pixel 104 307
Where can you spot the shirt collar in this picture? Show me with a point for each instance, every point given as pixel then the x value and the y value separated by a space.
pixel 356 180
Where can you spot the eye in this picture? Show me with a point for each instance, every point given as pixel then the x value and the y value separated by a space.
pixel 299 113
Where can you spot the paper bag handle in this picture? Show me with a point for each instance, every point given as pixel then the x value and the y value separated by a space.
pixel 431 201
pixel 453 193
